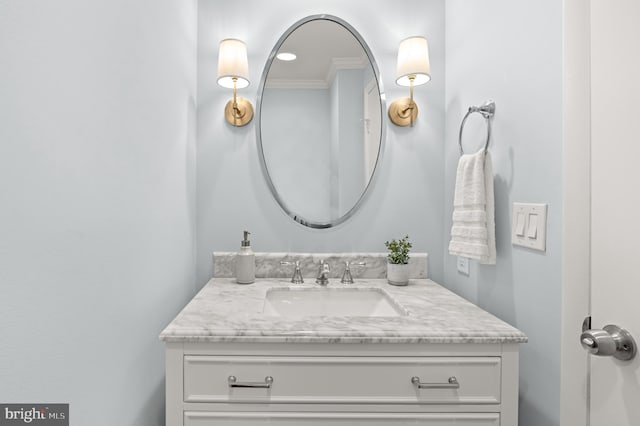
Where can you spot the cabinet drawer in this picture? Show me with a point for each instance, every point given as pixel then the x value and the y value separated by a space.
pixel 192 418
pixel 343 380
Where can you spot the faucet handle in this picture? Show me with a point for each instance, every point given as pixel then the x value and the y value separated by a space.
pixel 297 275
pixel 347 278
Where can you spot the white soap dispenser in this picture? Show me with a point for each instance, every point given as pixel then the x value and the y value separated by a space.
pixel 245 262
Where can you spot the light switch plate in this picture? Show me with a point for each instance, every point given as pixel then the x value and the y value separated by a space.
pixel 535 226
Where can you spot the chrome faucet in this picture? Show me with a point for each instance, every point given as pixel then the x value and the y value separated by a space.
pixel 323 273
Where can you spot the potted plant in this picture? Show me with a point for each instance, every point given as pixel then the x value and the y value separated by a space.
pixel 398 261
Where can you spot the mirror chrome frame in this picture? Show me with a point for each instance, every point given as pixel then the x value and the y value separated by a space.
pixel 383 109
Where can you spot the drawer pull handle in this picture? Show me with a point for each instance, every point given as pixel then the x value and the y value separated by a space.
pixel 234 383
pixel 451 384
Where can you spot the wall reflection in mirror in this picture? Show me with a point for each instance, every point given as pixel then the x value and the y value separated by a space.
pixel 320 121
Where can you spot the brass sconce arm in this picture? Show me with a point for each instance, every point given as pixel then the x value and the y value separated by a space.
pixel 404 111
pixel 239 111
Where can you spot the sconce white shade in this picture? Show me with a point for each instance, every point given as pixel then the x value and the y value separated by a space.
pixel 413 60
pixel 232 63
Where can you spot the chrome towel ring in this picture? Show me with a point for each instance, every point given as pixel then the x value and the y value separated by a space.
pixel 487 110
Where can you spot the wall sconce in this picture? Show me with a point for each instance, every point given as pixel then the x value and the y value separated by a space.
pixel 233 72
pixel 413 70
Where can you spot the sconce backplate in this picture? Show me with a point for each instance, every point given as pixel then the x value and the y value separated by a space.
pixel 241 115
pixel 402 110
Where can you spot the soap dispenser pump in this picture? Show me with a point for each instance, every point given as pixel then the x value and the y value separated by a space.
pixel 245 262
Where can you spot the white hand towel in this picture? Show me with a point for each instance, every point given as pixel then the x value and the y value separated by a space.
pixel 473 233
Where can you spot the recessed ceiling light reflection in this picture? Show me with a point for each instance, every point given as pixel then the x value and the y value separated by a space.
pixel 286 56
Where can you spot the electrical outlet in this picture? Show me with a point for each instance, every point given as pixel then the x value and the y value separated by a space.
pixel 463 265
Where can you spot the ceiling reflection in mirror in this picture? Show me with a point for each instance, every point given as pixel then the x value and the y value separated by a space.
pixel 320 128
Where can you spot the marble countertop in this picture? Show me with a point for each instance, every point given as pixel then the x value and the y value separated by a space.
pixel 224 311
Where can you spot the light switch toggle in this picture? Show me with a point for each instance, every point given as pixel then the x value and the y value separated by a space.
pixel 520 224
pixel 532 232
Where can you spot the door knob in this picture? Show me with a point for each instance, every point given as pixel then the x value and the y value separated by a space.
pixel 610 341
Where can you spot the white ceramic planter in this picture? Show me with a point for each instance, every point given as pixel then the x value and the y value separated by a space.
pixel 398 274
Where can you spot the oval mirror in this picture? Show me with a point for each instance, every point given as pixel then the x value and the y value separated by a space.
pixel 320 121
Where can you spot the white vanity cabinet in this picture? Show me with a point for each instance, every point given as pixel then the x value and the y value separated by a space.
pixel 343 384
pixel 440 361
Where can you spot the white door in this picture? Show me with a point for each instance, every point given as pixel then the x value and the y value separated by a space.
pixel 615 199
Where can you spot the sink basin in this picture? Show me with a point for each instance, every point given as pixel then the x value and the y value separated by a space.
pixel 343 302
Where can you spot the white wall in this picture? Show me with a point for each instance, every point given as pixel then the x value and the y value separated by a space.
pixel 97 220
pixel 232 195
pixel 511 51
